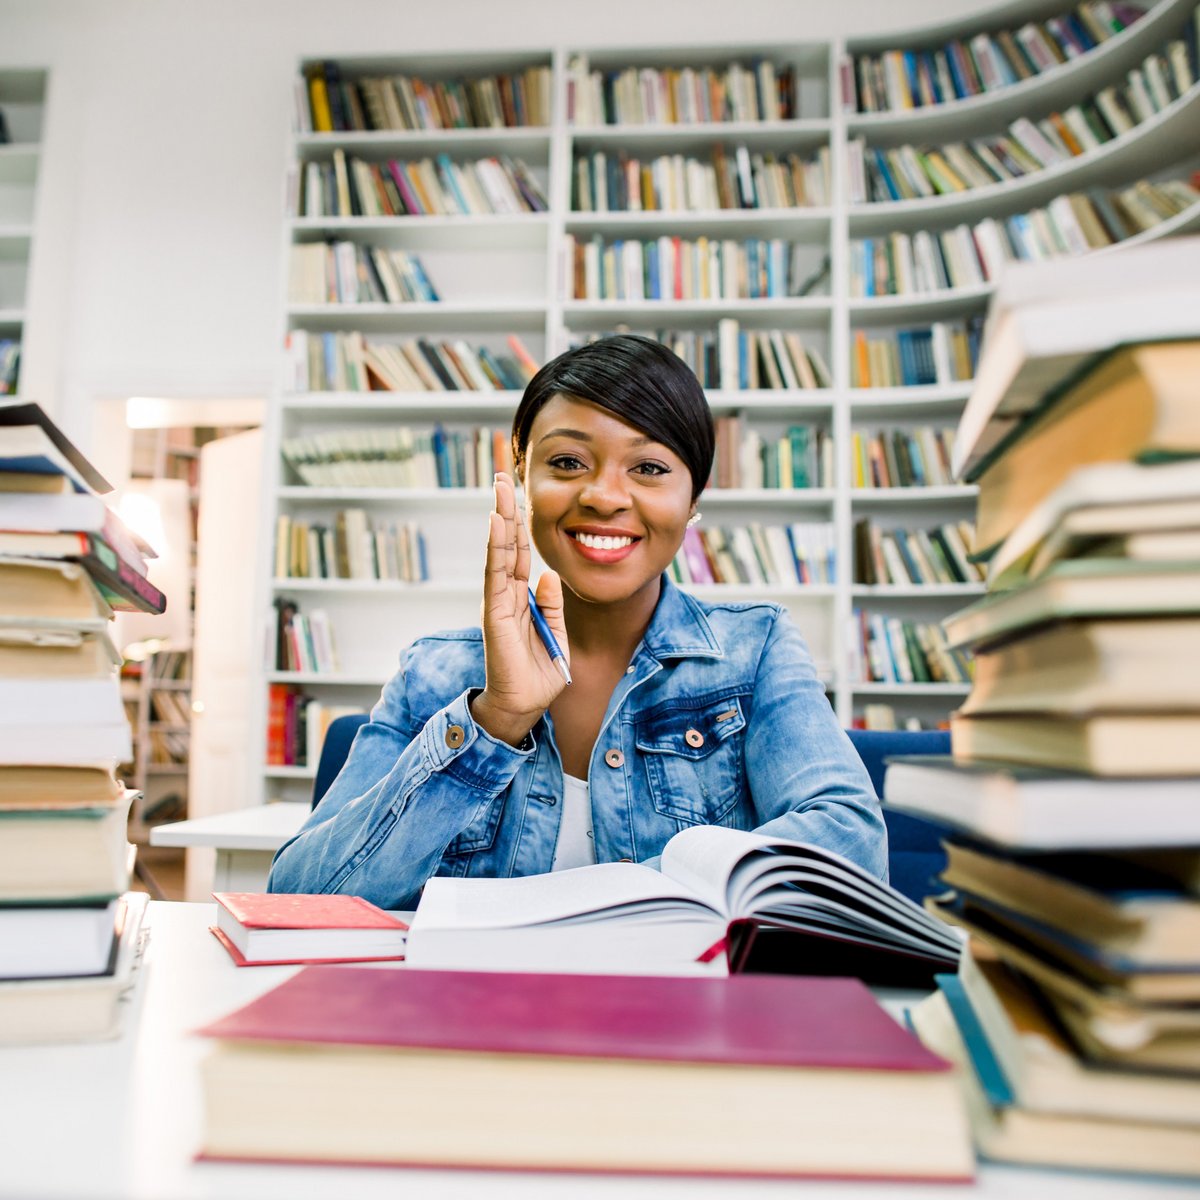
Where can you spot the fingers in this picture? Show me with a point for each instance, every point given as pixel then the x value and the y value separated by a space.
pixel 495 571
pixel 521 565
pixel 506 506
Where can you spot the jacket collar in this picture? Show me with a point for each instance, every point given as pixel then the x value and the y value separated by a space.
pixel 680 628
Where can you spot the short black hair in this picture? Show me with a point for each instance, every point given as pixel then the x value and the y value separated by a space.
pixel 637 379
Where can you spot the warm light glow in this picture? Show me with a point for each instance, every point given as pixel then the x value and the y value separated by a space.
pixel 143 515
pixel 147 412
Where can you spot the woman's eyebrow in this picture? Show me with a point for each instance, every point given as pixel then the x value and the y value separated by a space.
pixel 639 440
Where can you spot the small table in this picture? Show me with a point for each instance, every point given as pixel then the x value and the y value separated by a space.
pixel 245 841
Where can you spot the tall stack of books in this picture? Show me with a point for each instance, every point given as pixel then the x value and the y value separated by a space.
pixel 1074 852
pixel 69 927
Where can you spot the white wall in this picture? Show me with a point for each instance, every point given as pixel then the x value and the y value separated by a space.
pixel 158 242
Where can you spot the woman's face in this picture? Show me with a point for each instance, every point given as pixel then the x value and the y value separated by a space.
pixel 606 505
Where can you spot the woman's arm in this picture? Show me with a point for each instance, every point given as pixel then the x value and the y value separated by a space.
pixel 806 779
pixel 408 789
pixel 411 785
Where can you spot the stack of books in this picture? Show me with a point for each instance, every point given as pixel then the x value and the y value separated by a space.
pixel 1074 856
pixel 69 929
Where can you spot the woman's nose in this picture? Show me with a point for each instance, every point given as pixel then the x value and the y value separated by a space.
pixel 605 491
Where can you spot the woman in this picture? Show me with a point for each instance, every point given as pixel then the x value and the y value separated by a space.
pixel 480 760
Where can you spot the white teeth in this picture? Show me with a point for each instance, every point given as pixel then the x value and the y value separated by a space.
pixel 603 543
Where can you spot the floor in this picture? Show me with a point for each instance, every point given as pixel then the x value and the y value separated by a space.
pixel 162 869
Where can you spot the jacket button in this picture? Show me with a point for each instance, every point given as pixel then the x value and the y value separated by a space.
pixel 694 737
pixel 614 758
pixel 455 736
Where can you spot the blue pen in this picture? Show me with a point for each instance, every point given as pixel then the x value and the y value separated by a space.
pixel 548 639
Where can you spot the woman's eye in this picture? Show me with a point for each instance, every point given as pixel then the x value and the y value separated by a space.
pixel 565 462
pixel 653 468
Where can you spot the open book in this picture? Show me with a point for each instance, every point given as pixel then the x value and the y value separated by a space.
pixel 724 901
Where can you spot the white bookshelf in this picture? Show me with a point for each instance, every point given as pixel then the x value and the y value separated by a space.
pixel 23 103
pixel 505 274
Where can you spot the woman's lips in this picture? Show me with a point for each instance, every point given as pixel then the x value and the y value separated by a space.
pixel 603 548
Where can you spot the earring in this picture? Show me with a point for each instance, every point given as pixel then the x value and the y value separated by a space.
pixel 694 519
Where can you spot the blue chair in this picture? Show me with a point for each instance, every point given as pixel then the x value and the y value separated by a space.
pixel 916 856
pixel 334 752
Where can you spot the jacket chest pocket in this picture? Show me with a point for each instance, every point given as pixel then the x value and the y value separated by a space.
pixel 480 831
pixel 693 759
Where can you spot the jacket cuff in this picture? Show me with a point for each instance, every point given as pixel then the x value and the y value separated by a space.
pixel 451 741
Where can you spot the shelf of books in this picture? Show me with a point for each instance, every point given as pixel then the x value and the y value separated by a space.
pixel 816 228
pixel 22 113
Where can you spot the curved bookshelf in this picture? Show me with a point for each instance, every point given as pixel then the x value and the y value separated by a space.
pixel 1141 149
pixel 1064 83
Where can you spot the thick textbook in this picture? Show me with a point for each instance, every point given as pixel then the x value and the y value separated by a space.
pixel 1011 1132
pixel 1138 404
pixel 260 929
pixel 40 941
pixel 1049 322
pixel 81 1008
pixel 1156 745
pixel 1125 663
pixel 1020 940
pixel 756 1075
pixel 63 855
pixel 1141 907
pixel 48 594
pixel 1101 501
pixel 1079 587
pixel 1038 1062
pixel 1036 808
pixel 725 899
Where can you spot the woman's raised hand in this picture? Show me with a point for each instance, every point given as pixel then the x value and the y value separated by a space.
pixel 522 679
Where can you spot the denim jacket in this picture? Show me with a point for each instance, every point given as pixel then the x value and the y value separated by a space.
pixel 720 719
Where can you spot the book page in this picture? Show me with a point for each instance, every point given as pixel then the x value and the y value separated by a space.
pixel 602 890
pixel 750 875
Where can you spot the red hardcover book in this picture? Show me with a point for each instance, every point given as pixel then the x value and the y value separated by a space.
pixel 268 929
pixel 762 1075
pixel 277 694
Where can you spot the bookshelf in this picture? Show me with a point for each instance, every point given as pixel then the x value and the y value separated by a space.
pixel 157 695
pixel 22 107
pixel 503 274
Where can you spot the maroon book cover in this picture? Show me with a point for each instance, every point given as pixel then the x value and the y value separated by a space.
pixel 785 1021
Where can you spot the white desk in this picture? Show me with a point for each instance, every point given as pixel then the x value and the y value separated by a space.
pixel 121 1120
pixel 245 841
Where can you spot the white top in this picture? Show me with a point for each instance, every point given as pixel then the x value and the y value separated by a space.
pixel 576 845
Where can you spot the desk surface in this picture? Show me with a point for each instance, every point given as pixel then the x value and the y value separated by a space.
pixel 261 827
pixel 122 1119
